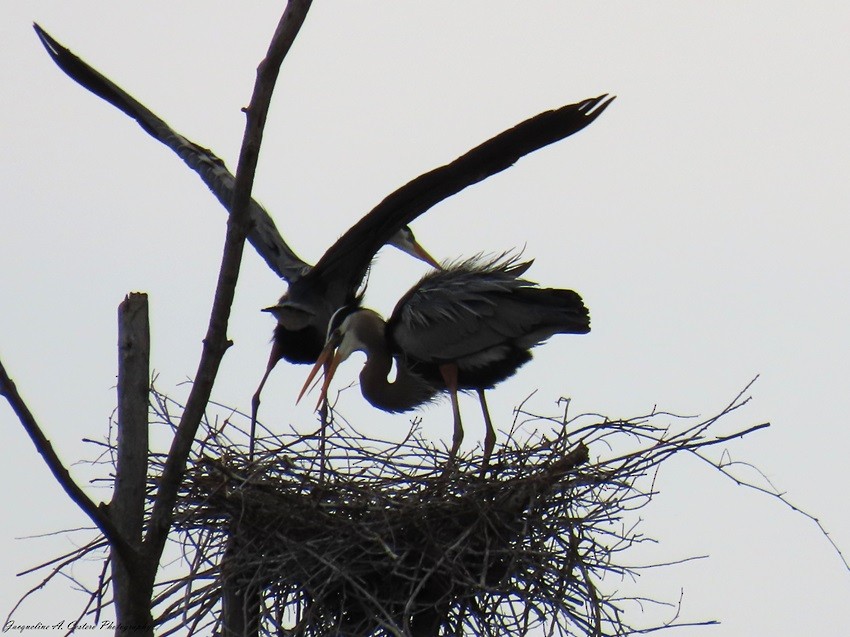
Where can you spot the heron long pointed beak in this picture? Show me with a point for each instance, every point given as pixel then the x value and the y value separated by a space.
pixel 423 254
pixel 323 357
pixel 330 370
pixel 329 366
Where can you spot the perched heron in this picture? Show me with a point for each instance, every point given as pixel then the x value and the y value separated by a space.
pixel 466 327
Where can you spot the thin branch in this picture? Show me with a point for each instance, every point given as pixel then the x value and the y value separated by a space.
pixel 76 554
pixel 723 467
pixel 63 562
pixel 215 343
pixel 63 477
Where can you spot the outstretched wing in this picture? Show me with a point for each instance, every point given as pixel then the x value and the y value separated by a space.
pixel 263 235
pixel 344 264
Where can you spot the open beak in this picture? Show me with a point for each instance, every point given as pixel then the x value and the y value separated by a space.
pixel 329 359
pixel 423 254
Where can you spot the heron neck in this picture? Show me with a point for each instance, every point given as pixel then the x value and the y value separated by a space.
pixel 404 393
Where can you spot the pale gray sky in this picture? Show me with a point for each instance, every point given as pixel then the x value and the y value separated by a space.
pixel 703 218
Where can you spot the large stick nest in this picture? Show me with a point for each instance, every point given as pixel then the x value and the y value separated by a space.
pixel 391 540
pixel 368 537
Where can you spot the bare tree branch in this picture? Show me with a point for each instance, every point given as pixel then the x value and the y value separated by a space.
pixel 216 343
pixel 63 477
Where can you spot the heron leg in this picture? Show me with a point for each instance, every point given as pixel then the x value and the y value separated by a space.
pixel 274 357
pixel 449 373
pixel 323 415
pixel 490 437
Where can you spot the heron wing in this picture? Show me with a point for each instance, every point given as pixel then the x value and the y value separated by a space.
pixel 264 235
pixel 347 260
pixel 472 314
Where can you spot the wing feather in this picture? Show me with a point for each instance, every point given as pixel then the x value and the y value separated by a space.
pixel 264 235
pixel 471 311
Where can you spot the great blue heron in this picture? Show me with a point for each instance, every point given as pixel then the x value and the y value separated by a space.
pixel 467 327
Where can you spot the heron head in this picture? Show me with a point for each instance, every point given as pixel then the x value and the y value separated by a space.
pixel 293 316
pixel 406 242
pixel 350 330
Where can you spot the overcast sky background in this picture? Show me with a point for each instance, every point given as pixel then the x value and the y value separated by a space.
pixel 703 218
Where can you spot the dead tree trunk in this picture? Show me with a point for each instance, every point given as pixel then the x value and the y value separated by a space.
pixel 240 595
pixel 132 584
